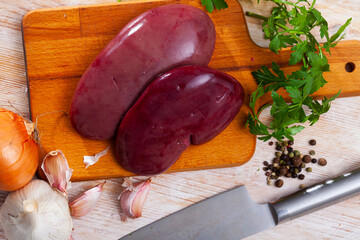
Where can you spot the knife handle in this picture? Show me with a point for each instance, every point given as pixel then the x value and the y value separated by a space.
pixel 317 196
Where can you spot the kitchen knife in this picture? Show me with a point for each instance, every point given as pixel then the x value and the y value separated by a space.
pixel 233 215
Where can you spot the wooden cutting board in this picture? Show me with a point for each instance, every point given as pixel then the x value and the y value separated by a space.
pixel 60 43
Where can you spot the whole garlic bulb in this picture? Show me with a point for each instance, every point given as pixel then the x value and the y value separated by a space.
pixel 36 212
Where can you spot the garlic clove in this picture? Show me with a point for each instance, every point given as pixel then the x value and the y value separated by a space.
pixel 85 202
pixel 132 199
pixel 57 171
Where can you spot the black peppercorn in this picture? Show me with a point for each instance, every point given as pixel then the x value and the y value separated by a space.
pixel 279 183
pixel 271 143
pixel 301 176
pixel 290 149
pixel 278 147
pixel 291 170
pixel 266 163
pixel 276 160
pixel 313 160
pixel 299 169
pixel 265 169
pixel 294 175
pixel 306 159
pixel 296 161
pixel 322 162
pixel 270 167
pixel 283 170
pixel 312 142
pixel 291 142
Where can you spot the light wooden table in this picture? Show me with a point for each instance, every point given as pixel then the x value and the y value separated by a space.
pixel 337 134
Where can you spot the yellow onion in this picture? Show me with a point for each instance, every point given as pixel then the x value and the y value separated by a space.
pixel 18 151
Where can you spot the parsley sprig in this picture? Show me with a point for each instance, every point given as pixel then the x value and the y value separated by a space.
pixel 290 24
pixel 209 4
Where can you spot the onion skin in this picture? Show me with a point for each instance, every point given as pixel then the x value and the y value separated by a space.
pixel 19 155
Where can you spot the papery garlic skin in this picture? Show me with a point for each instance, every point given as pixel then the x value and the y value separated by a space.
pixel 36 212
pixel 85 202
pixel 91 160
pixel 57 171
pixel 132 199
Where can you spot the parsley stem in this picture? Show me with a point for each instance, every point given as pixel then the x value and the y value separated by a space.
pixel 312 5
pixel 254 15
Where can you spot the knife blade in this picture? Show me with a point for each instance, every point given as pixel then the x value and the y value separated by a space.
pixel 234 215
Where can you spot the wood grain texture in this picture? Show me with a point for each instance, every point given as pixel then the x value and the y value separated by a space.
pixel 337 133
pixel 61 43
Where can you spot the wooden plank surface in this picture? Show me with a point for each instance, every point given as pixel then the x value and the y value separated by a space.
pixel 60 43
pixel 337 133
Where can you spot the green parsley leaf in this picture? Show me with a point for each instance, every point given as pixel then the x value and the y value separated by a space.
pixel 290 25
pixel 209 4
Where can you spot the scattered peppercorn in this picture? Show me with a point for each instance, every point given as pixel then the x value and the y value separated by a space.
pixel 283 170
pixel 296 161
pixel 289 163
pixel 279 183
pixel 306 159
pixel 302 186
pixel 322 162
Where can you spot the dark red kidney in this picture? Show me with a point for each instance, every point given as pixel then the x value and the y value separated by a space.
pixel 153 43
pixel 190 104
